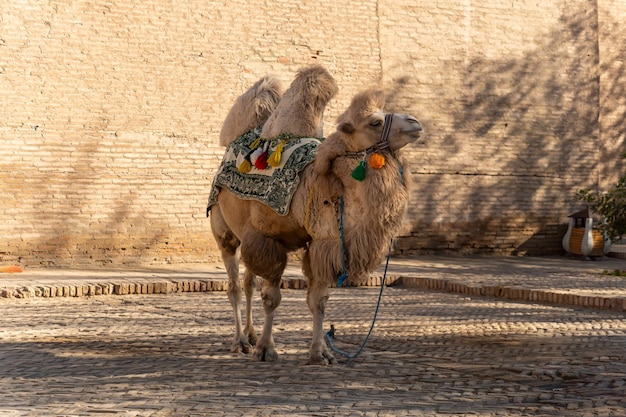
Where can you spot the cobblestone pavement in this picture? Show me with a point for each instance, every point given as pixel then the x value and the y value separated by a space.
pixel 431 354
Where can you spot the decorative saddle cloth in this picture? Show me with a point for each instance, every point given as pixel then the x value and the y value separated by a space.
pixel 264 170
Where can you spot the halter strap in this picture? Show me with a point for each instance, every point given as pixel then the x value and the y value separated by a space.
pixel 384 137
pixel 383 143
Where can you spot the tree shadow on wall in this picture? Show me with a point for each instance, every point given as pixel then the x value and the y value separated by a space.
pixel 535 119
pixel 613 98
pixel 75 232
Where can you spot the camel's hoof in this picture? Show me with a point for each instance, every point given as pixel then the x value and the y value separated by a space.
pixel 325 359
pixel 252 339
pixel 241 346
pixel 264 354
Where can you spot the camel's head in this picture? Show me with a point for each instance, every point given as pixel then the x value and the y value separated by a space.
pixel 364 122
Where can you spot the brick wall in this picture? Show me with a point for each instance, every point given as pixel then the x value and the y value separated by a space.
pixel 509 92
pixel 612 98
pixel 111 112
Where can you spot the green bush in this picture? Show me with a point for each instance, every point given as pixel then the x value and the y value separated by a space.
pixel 611 205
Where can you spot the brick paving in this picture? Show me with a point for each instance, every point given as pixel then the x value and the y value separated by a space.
pixel 432 353
pixel 558 280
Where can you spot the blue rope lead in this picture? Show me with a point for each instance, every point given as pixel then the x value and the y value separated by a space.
pixel 331 333
pixel 344 274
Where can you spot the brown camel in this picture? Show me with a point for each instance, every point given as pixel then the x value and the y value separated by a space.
pixel 373 207
pixel 252 108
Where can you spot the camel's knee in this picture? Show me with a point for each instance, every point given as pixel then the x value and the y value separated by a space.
pixel 320 305
pixel 271 297
pixel 234 292
pixel 317 299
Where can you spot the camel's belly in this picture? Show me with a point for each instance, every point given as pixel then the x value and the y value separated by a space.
pixel 239 214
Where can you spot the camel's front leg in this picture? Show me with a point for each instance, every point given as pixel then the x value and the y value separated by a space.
pixel 317 298
pixel 265 349
pixel 317 295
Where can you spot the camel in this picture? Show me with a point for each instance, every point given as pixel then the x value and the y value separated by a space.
pixel 309 94
pixel 252 108
pixel 371 210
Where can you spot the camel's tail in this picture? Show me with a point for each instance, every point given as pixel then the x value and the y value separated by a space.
pixel 252 108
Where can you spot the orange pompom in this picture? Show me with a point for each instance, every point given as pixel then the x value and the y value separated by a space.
pixel 377 161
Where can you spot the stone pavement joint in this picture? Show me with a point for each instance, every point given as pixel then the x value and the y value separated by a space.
pixel 517 293
pixel 552 280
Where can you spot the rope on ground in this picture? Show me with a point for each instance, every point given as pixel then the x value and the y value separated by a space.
pixel 331 333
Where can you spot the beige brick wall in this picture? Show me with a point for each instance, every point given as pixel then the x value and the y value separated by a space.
pixel 509 92
pixel 612 42
pixel 111 111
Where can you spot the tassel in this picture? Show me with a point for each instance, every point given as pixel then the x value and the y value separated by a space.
pixel 245 166
pixel 377 161
pixel 276 156
pixel 256 143
pixel 255 155
pixel 261 161
pixel 359 172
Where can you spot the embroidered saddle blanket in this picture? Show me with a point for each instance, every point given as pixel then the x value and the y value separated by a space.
pixel 245 172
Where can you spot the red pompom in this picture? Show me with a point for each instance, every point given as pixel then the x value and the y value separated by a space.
pixel 261 161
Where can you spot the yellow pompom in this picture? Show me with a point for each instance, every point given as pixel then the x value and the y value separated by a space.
pixel 245 166
pixel 256 143
pixel 377 161
pixel 276 156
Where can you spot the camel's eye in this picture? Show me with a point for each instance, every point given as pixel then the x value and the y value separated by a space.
pixel 376 123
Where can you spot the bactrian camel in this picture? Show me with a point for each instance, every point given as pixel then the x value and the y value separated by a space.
pixel 373 205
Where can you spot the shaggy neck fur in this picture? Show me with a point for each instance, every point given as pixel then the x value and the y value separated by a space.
pixel 373 211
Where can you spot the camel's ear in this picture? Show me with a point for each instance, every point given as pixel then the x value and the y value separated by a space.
pixel 346 127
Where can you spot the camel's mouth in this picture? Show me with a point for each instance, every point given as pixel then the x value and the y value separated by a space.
pixel 414 131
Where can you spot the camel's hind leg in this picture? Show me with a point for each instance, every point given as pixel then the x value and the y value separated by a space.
pixel 267 258
pixel 228 244
pixel 249 285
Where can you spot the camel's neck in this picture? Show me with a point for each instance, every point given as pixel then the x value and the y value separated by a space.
pixel 377 202
pixel 373 212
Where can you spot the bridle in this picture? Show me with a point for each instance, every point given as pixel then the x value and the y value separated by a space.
pixel 383 142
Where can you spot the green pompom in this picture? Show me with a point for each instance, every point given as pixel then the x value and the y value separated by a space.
pixel 359 172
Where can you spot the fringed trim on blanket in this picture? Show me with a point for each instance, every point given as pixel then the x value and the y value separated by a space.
pixel 265 153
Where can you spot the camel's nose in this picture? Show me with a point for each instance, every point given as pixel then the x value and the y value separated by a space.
pixel 416 126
